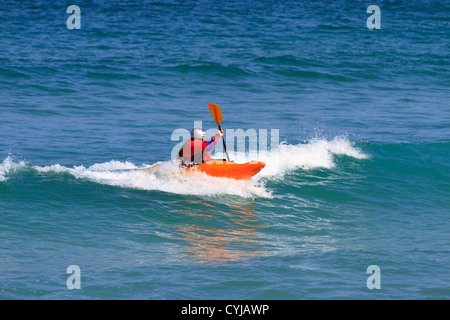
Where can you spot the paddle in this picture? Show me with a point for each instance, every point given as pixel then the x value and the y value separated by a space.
pixel 217 115
pixel 153 167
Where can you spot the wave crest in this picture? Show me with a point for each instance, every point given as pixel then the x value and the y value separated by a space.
pixel 317 153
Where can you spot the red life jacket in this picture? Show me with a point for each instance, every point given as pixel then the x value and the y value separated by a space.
pixel 193 151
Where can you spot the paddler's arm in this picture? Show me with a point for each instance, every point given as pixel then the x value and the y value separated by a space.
pixel 214 140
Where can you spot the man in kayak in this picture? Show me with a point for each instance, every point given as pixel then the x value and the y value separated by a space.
pixel 196 150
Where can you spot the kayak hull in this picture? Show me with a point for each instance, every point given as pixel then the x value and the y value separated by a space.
pixel 231 170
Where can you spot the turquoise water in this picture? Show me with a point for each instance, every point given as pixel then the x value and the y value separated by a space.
pixel 361 176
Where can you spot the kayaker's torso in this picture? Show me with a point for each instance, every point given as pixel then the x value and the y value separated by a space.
pixel 196 151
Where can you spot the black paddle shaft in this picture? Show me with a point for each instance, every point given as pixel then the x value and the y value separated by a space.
pixel 224 145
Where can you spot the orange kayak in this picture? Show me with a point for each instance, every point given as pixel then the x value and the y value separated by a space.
pixel 226 169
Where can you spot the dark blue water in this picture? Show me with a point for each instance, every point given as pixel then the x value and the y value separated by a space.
pixel 361 177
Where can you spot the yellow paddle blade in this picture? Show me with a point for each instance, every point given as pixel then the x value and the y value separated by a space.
pixel 216 113
pixel 152 167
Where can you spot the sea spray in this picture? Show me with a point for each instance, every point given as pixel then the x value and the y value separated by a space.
pixel 316 153
pixel 8 166
pixel 167 177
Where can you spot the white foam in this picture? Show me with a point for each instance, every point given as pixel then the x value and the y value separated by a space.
pixel 166 177
pixel 317 153
pixel 9 166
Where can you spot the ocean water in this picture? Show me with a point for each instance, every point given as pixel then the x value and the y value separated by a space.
pixel 360 177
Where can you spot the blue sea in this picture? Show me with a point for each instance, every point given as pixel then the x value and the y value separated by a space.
pixel 358 175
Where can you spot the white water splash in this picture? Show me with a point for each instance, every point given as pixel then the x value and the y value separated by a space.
pixel 318 153
pixel 8 166
pixel 166 177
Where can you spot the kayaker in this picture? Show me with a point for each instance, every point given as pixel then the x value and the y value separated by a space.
pixel 196 150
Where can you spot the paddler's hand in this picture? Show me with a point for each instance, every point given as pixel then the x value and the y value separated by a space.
pixel 220 133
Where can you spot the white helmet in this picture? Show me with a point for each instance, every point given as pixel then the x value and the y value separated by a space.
pixel 198 133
